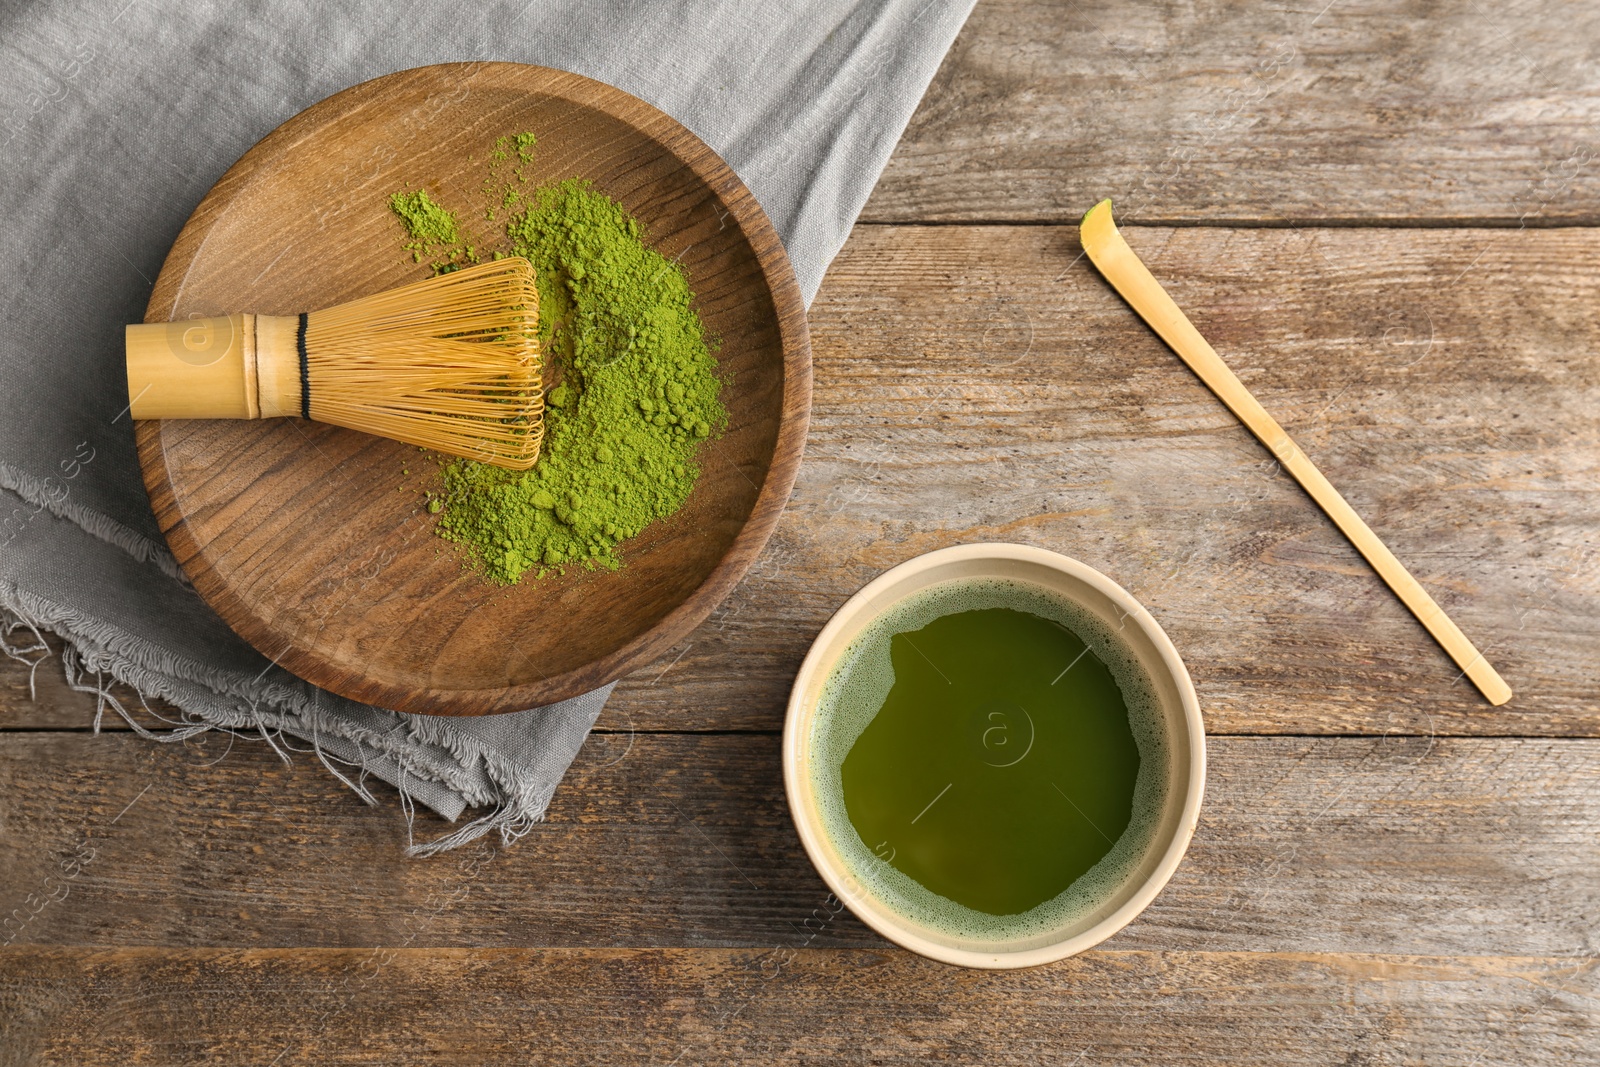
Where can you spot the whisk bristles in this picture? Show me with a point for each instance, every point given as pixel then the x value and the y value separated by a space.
pixel 451 363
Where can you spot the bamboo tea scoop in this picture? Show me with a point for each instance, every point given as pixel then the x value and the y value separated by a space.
pixel 450 363
pixel 1123 269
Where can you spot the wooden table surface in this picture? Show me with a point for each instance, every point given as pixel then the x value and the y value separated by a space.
pixel 1384 216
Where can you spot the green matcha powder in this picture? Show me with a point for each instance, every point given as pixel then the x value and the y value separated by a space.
pixel 635 393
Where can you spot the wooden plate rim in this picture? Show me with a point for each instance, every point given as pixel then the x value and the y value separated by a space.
pixel 794 337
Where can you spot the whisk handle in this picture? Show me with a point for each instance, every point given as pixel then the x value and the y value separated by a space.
pixel 223 367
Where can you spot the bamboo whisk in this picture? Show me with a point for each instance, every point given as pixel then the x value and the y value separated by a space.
pixel 451 363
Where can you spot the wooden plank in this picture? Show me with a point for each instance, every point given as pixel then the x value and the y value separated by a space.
pixel 1404 845
pixel 1358 111
pixel 982 383
pixel 785 1005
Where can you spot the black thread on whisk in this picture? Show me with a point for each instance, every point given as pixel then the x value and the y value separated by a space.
pixel 305 368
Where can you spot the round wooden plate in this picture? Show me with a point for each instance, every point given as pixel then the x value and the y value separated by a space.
pixel 311 541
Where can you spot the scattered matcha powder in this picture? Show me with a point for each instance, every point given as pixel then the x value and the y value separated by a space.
pixel 433 231
pixel 636 388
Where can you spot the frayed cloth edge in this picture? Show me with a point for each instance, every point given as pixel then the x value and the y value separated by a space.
pixel 95 523
pixel 516 804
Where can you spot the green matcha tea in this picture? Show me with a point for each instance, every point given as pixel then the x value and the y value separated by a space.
pixel 989 760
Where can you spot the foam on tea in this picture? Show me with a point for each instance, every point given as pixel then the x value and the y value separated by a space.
pixel 989 760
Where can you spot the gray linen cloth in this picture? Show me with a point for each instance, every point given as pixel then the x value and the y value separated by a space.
pixel 115 119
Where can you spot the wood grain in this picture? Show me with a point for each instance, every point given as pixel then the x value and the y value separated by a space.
pixel 782 1006
pixel 1358 112
pixel 976 383
pixel 983 383
pixel 1397 845
pixel 1403 897
pixel 1120 266
pixel 311 541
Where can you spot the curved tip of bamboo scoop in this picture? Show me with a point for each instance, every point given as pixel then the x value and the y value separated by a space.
pixel 1122 267
pixel 1096 225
